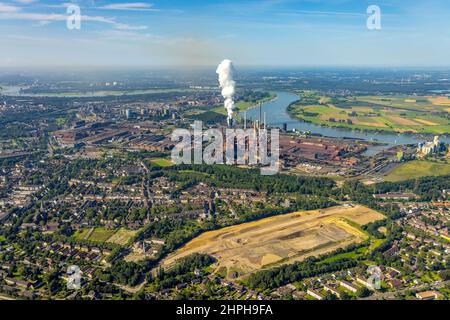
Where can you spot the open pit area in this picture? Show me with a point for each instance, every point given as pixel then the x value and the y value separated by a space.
pixel 248 247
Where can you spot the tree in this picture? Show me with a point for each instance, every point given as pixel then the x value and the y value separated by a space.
pixel 345 296
pixel 330 296
pixel 363 292
pixel 445 275
pixel 51 280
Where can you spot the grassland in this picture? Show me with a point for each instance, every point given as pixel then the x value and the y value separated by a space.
pixel 377 113
pixel 245 248
pixel 100 234
pixel 416 169
pixel 122 236
pixel 162 162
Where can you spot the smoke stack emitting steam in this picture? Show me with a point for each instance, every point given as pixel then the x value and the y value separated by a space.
pixel 227 84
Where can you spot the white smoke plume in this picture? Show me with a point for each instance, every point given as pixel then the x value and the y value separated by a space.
pixel 227 84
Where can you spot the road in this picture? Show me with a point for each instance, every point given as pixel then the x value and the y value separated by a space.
pixel 393 295
pixel 129 289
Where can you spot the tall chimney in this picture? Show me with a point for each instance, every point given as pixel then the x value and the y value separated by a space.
pixel 265 121
pixel 260 115
pixel 245 119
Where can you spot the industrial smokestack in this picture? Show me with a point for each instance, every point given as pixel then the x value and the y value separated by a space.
pixel 265 123
pixel 260 115
pixel 227 84
pixel 245 119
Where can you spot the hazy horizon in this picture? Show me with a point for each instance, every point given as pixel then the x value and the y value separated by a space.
pixel 270 33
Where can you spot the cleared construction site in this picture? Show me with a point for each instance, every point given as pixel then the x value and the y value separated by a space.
pixel 248 247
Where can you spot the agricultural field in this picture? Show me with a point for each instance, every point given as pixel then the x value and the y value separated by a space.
pixel 245 248
pixel 100 234
pixel 417 169
pixel 122 236
pixel 382 113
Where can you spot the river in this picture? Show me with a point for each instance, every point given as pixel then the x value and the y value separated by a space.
pixel 276 114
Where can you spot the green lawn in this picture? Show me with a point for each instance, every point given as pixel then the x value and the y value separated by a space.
pixel 80 234
pixel 122 236
pixel 99 234
pixel 374 243
pixel 162 162
pixel 346 255
pixel 417 169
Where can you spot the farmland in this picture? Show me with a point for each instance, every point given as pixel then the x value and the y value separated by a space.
pixel 377 113
pixel 99 234
pixel 416 169
pixel 245 248
pixel 122 236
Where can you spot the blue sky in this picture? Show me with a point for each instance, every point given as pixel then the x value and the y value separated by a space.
pixel 202 33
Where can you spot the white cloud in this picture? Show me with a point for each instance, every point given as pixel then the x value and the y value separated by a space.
pixel 123 26
pixel 47 18
pixel 126 35
pixel 135 6
pixel 6 8
pixel 25 1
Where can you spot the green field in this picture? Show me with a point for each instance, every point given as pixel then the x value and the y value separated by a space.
pixel 99 234
pixel 162 162
pixel 380 113
pixel 373 244
pixel 416 169
pixel 122 236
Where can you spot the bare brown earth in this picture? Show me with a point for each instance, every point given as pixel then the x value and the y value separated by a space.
pixel 440 101
pixel 249 247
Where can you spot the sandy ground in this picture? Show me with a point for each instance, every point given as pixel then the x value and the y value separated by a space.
pixel 251 246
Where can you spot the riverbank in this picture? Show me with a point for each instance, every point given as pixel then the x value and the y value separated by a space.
pixel 379 119
pixel 278 116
